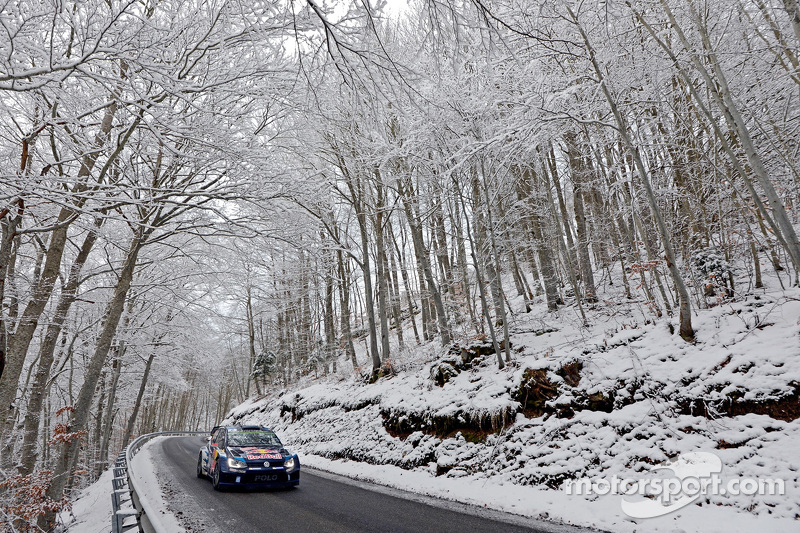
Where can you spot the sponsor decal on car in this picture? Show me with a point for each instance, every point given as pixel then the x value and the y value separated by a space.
pixel 213 460
pixel 257 456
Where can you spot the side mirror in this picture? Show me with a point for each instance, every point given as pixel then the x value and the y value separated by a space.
pixel 208 439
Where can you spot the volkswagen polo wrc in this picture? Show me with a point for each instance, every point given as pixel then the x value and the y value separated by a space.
pixel 249 457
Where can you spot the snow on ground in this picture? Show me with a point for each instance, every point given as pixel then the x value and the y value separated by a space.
pixel 91 511
pixel 143 468
pixel 614 398
pixel 541 503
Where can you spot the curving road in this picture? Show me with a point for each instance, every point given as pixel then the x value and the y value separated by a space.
pixel 322 503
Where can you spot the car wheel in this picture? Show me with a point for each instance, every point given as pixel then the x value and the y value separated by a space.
pixel 200 473
pixel 215 478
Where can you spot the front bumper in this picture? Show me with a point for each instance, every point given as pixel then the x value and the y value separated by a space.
pixel 260 478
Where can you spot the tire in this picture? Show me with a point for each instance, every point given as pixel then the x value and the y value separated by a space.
pixel 200 473
pixel 215 475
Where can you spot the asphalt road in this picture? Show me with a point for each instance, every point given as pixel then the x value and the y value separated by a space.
pixel 321 503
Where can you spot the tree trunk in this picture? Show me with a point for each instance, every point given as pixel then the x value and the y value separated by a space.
pixel 406 284
pixel 720 93
pixel 110 413
pixel 579 172
pixel 251 341
pixel 686 330
pixel 397 304
pixel 344 297
pixel 494 260
pixel 357 195
pixel 481 286
pixel 380 259
pixel 137 404
pixel 8 232
pixel 328 322
pixel 561 217
pixel 80 416
pixel 47 353
pixel 543 249
pixel 461 253
pixel 92 452
pixel 793 11
pixel 21 339
pixel 422 254
pixel 19 343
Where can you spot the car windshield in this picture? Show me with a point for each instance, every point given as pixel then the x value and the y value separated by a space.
pixel 252 438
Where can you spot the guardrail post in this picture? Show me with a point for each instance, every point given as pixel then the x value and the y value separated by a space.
pixel 118 524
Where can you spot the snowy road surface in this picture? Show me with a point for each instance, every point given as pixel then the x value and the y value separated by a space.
pixel 322 503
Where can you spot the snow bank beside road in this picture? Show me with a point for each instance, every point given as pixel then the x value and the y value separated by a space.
pixel 147 485
pixel 614 399
pixel 91 511
pixel 540 503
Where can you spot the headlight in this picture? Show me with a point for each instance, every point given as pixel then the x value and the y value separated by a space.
pixel 289 463
pixel 236 464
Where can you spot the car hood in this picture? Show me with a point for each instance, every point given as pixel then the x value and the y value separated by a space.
pixel 256 452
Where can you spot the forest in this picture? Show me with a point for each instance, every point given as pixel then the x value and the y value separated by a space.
pixel 204 200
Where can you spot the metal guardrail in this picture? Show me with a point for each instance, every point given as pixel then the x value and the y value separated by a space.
pixel 136 511
pixel 122 518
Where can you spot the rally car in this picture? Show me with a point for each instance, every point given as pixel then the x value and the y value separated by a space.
pixel 249 457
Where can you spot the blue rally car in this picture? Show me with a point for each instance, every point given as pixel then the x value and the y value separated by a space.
pixel 247 456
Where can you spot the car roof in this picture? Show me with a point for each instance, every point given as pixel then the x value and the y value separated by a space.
pixel 242 428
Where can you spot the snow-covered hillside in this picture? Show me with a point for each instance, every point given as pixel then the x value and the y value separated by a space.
pixel 614 398
pixel 91 510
